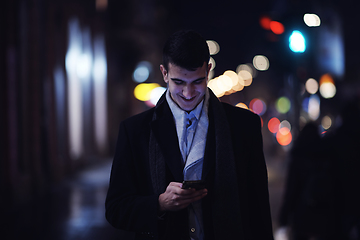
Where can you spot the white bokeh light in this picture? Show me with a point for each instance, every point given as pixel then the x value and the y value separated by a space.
pixel 261 63
pixel 312 20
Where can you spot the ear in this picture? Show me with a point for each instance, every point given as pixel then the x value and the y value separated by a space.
pixel 208 72
pixel 209 68
pixel 164 73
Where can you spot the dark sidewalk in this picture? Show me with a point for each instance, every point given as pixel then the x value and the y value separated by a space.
pixel 72 210
pixel 75 210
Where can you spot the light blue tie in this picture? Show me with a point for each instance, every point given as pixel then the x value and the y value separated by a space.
pixel 189 132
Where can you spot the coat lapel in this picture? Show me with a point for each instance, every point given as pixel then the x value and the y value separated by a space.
pixel 164 131
pixel 210 153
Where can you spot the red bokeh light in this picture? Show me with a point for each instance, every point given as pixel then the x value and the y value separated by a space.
pixel 277 27
pixel 265 22
pixel 273 125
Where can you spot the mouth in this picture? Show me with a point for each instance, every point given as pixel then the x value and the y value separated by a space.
pixel 188 99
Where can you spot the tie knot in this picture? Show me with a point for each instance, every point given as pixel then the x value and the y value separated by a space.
pixel 190 119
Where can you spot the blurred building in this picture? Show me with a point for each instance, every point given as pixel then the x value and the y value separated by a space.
pixel 66 71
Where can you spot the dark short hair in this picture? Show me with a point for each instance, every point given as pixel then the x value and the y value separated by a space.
pixel 186 49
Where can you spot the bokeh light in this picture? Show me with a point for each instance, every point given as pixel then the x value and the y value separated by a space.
pixel 143 91
pixel 246 67
pixel 314 107
pixel 273 125
pixel 213 63
pixel 326 122
pixel 284 139
pixel 242 105
pixel 327 90
pixel 311 86
pixel 265 22
pixel 305 104
pixel 327 86
pixel 297 42
pixel 233 76
pixel 212 84
pixel 155 94
pixel 214 47
pixel 277 27
pixel 142 72
pixel 246 77
pixel 238 87
pixel 258 106
pixel 326 78
pixel 312 20
pixel 261 63
pixel 84 66
pixel 285 127
pixel 226 84
pixel 283 105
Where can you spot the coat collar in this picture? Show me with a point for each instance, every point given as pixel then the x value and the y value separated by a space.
pixel 164 129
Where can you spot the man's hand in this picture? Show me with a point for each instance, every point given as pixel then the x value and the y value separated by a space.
pixel 175 198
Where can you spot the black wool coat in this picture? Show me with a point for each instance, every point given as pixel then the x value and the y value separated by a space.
pixel 132 203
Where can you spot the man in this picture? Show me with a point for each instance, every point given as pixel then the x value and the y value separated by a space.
pixel 190 135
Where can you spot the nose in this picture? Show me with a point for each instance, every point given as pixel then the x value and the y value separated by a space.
pixel 188 91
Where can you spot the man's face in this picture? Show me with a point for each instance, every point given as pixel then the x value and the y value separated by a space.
pixel 187 88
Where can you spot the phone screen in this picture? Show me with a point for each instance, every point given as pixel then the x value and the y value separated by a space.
pixel 197 184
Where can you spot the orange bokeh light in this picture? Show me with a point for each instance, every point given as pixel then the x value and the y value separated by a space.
pixel 284 139
pixel 273 125
pixel 325 79
pixel 277 27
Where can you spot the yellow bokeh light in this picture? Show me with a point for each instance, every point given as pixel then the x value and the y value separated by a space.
pixel 326 122
pixel 261 63
pixel 143 91
pixel 242 105
pixel 231 91
pixel 311 86
pixel 211 75
pixel 224 83
pixel 238 87
pixel 234 77
pixel 214 47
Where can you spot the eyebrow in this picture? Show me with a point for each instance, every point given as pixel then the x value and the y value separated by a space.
pixel 177 79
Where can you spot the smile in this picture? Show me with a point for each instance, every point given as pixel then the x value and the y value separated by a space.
pixel 188 99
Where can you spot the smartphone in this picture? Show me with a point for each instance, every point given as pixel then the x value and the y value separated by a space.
pixel 197 184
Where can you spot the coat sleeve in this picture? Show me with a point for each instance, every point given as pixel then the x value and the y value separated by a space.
pixel 130 203
pixel 260 216
pixel 252 174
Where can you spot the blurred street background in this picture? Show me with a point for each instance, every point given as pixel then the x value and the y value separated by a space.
pixel 70 71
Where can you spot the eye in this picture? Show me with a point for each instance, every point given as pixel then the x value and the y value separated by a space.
pixel 178 82
pixel 198 81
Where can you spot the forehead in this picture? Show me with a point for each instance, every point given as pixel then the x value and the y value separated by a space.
pixel 176 71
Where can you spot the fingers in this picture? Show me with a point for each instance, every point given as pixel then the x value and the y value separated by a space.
pixel 175 198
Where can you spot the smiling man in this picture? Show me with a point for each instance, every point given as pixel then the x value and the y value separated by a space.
pixel 187 87
pixel 191 167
